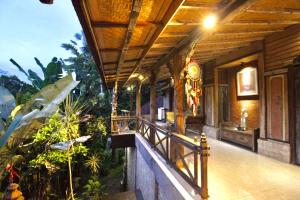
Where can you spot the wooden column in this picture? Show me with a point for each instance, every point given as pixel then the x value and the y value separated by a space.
pixel 216 98
pixel 262 101
pixel 153 105
pixel 138 107
pixel 178 65
pixel 175 69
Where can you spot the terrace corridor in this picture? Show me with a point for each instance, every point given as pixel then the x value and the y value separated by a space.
pixel 238 174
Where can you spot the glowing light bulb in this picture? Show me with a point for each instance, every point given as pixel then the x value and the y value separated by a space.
pixel 210 21
pixel 141 77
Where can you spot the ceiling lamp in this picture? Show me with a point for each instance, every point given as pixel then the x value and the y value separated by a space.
pixel 141 77
pixel 210 21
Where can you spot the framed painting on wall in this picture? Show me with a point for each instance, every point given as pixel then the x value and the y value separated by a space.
pixel 247 84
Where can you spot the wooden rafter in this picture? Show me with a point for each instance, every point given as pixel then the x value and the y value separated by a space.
pixel 195 5
pixel 102 24
pixel 227 14
pixel 275 11
pixel 247 32
pixel 119 49
pixel 263 22
pixel 126 61
pixel 173 8
pixel 208 48
pixel 250 39
pixel 82 13
pixel 136 7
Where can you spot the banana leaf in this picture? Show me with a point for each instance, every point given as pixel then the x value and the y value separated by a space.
pixel 25 125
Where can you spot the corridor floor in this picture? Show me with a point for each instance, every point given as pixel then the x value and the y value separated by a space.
pixel 238 174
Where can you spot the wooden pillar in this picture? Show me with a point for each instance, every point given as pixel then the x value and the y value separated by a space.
pixel 262 101
pixel 153 106
pixel 178 65
pixel 175 69
pixel 138 107
pixel 216 98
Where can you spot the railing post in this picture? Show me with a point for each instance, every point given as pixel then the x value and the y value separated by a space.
pixel 203 159
pixel 143 127
pixel 137 125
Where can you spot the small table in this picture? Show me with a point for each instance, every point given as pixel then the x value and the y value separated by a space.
pixel 247 138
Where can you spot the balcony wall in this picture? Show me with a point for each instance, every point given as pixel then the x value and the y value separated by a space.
pixel 148 172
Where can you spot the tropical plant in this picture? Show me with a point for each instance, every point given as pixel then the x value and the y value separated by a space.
pixel 51 73
pixel 21 90
pixel 90 87
pixel 93 163
pixel 93 189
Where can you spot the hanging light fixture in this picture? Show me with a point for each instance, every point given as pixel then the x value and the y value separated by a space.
pixel 210 21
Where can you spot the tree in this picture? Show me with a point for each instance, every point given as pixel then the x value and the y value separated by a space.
pixel 52 72
pixel 90 87
pixel 21 90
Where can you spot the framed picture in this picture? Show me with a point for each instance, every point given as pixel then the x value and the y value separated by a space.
pixel 247 84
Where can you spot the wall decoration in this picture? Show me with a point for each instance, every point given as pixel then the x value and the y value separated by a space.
pixel 193 86
pixel 247 82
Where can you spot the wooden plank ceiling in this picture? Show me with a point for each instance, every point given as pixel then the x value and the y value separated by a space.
pixel 130 37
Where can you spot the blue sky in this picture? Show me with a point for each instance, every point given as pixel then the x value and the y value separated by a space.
pixel 31 29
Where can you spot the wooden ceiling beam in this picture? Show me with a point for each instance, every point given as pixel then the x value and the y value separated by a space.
pixel 250 39
pixel 226 14
pixel 126 61
pixel 171 12
pixel 214 48
pixel 167 35
pixel 119 49
pixel 274 11
pixel 163 45
pixel 83 16
pixel 135 11
pixel 103 24
pixel 263 22
pixel 247 32
pixel 195 5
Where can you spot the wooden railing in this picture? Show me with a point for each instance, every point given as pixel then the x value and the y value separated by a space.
pixel 122 123
pixel 187 156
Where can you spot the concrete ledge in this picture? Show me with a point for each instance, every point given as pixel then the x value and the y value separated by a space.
pixel 275 149
pixel 211 131
pixel 154 175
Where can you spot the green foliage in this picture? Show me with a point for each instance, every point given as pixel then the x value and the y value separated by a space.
pixel 96 126
pixel 90 87
pixel 57 129
pixel 93 163
pixel 93 189
pixel 21 90
pixel 51 73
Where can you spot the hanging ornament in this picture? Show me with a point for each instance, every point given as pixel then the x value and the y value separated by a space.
pixel 193 86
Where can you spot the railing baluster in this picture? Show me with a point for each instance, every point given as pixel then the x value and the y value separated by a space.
pixel 203 159
pixel 196 167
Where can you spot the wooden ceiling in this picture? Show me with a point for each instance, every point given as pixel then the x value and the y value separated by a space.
pixel 135 36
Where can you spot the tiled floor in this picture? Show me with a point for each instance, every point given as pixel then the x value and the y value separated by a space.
pixel 238 174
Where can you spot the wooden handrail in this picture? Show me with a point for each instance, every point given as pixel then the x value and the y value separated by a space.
pixel 164 139
pixel 198 146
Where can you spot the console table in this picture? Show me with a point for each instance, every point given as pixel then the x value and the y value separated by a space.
pixel 247 138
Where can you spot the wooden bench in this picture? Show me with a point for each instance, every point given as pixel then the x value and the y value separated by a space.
pixel 247 138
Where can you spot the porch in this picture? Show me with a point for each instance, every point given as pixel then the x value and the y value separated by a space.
pixel 245 89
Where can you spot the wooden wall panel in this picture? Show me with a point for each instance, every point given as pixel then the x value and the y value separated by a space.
pixel 277 107
pixel 237 105
pixel 208 98
pixel 281 48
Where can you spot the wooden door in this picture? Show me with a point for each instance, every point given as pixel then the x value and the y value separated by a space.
pixel 297 105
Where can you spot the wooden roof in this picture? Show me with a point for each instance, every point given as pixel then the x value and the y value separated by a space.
pixel 135 36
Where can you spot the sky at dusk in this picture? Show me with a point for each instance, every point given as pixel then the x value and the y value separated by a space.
pixel 31 29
